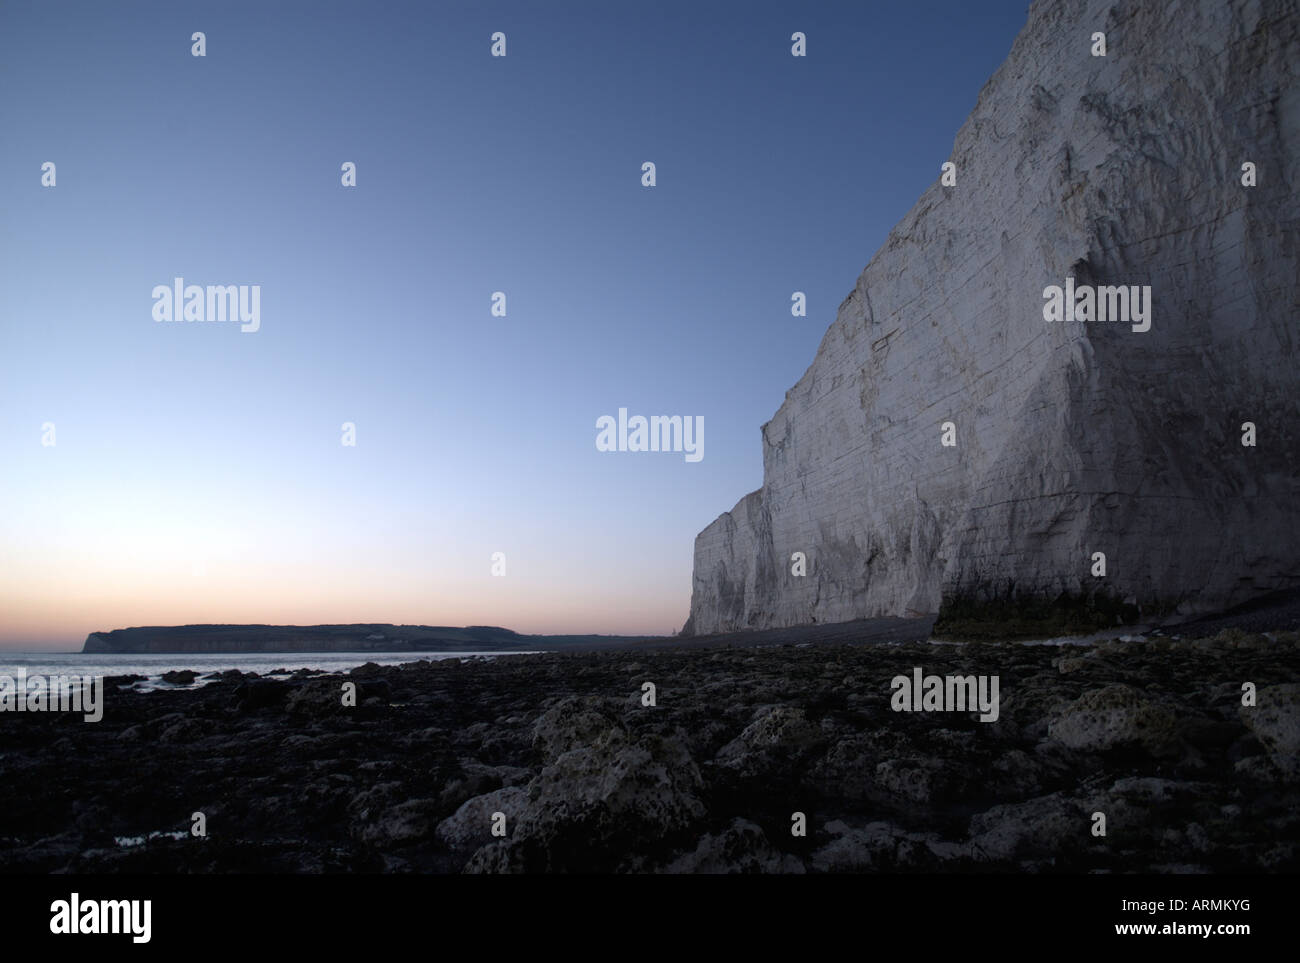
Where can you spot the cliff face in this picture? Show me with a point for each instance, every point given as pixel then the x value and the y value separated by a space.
pixel 1071 437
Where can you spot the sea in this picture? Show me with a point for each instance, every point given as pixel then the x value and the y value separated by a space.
pixel 266 664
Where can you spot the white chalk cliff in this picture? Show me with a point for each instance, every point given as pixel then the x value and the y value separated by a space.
pixel 1071 437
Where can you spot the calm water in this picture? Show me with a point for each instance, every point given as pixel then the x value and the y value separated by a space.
pixel 263 663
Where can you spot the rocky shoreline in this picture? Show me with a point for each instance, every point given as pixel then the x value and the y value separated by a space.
pixel 1150 731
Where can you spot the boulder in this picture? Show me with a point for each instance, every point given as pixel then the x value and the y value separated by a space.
pixel 1114 715
pixel 1275 721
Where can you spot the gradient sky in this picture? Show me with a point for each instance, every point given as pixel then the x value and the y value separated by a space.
pixel 198 474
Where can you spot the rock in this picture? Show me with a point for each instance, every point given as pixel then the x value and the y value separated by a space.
pixel 1114 715
pixel 317 698
pixel 776 734
pixel 255 694
pixel 407 822
pixel 183 731
pixel 1069 435
pixel 1041 828
pixel 847 768
pixel 740 848
pixel 652 781
pixel 785 727
pixel 471 825
pixel 322 697
pixel 180 676
pixel 883 847
pixel 123 681
pixel 571 724
pixel 1275 721
pixel 1147 788
pixel 596 806
pixel 913 781
pixel 505 775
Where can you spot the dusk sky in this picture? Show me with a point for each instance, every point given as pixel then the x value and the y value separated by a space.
pixel 197 472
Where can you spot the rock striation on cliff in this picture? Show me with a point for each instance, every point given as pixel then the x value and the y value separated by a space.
pixel 1071 438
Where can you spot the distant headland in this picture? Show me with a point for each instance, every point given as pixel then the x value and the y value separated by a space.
pixel 359 637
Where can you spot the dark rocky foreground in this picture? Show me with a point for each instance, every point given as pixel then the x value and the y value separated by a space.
pixel 1150 732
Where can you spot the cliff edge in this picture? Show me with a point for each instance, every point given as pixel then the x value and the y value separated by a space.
pixel 1066 439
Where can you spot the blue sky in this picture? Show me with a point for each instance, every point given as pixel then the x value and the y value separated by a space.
pixel 197 473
